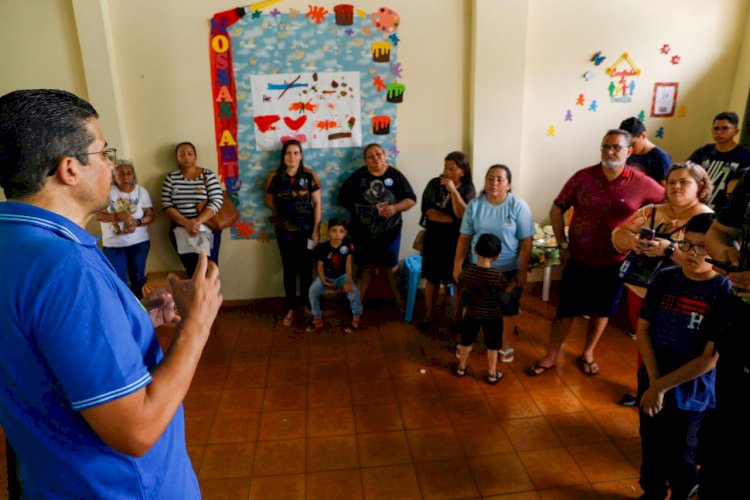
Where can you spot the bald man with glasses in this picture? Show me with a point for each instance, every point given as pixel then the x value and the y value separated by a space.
pixel 602 197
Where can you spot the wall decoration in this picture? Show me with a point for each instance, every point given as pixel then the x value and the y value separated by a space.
pixel 588 76
pixel 328 76
pixel 551 131
pixel 569 116
pixel 641 115
pixel 665 49
pixel 682 112
pixel 660 133
pixel 664 99
pixel 621 88
pixel 593 106
pixel 598 58
pixel 580 101
pixel 675 59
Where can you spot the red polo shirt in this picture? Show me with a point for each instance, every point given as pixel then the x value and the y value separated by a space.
pixel 600 205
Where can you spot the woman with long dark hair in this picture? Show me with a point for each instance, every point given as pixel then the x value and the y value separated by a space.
pixel 293 194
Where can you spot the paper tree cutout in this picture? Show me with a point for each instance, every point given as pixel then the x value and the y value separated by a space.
pixel 665 49
pixel 675 59
pixel 580 100
pixel 569 116
pixel 642 115
pixel 682 112
pixel 630 70
pixel 593 106
pixel 660 133
pixel 551 131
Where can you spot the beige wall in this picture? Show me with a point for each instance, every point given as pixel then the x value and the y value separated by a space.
pixel 486 76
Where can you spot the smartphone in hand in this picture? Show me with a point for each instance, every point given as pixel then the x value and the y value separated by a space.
pixel 725 266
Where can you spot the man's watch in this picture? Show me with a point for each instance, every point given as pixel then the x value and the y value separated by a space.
pixel 564 245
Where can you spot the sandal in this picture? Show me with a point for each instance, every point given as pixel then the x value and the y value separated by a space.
pixel 589 368
pixel 508 355
pixel 537 369
pixel 461 372
pixel 315 325
pixel 288 319
pixel 353 326
pixel 494 378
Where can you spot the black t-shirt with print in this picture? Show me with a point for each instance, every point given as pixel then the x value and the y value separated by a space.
pixel 334 258
pixel 292 196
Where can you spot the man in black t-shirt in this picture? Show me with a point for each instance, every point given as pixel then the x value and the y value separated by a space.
pixel 647 156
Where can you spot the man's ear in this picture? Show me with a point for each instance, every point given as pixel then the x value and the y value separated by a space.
pixel 68 171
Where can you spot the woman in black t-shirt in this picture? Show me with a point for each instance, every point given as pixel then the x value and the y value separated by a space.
pixel 293 194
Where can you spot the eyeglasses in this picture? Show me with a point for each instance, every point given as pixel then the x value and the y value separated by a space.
pixel 110 154
pixel 686 245
pixel 616 148
pixel 723 128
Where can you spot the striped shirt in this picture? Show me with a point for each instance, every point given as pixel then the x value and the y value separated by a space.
pixel 481 289
pixel 182 194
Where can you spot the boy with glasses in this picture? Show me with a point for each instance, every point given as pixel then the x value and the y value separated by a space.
pixel 725 160
pixel 676 330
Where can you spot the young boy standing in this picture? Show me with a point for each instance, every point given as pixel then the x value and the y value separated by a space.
pixel 334 267
pixel 481 287
pixel 679 317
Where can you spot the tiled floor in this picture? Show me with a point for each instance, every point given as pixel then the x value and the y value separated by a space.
pixel 276 413
pixel 279 414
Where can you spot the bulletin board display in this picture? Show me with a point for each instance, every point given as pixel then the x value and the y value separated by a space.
pixel 328 77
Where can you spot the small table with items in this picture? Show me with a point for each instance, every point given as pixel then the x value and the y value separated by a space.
pixel 545 253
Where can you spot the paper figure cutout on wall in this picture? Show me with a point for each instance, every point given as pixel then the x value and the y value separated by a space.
pixel 344 14
pixel 256 14
pixel 588 76
pixel 396 69
pixel 395 92
pixel 580 100
pixel 642 115
pixel 275 12
pixel 660 133
pixel 593 106
pixel 381 52
pixel 569 116
pixel 379 83
pixel 622 89
pixel 385 20
pixel 682 112
pixel 316 14
pixel 393 37
pixel 381 125
pixel 551 131
pixel 598 58
pixel 665 49
pixel 328 99
pixel 349 32
pixel 675 60
pixel 393 150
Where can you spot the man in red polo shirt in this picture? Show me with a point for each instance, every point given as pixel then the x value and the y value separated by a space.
pixel 602 197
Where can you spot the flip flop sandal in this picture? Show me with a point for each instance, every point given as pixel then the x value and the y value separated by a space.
pixel 461 372
pixel 537 369
pixel 507 356
pixel 587 368
pixel 494 378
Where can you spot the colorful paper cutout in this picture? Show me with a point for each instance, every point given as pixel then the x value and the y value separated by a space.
pixel 381 125
pixel 593 106
pixel 569 116
pixel 682 112
pixel 665 49
pixel 622 90
pixel 642 115
pixel 385 20
pixel 598 58
pixel 396 69
pixel 256 14
pixel 660 133
pixel 344 14
pixel 245 228
pixel 580 100
pixel 395 92
pixel 394 39
pixel 393 150
pixel 588 76
pixel 675 60
pixel 316 14
pixel 381 52
pixel 551 131
pixel 631 70
pixel 379 83
pixel 275 12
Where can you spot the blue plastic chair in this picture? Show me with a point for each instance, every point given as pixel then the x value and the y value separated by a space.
pixel 413 270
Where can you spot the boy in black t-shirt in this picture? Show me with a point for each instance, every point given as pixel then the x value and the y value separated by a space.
pixel 334 267
pixel 481 287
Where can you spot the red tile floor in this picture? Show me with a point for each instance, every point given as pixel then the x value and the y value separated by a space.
pixel 274 413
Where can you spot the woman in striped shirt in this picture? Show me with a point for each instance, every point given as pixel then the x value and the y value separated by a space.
pixel 181 194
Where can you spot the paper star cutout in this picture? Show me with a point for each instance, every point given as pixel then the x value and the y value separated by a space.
pixel 675 60
pixel 665 49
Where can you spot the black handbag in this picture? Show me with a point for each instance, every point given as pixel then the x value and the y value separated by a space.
pixel 638 269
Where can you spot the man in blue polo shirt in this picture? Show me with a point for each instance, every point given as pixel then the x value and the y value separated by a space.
pixel 88 401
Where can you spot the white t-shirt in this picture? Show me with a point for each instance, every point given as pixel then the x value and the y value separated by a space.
pixel 133 202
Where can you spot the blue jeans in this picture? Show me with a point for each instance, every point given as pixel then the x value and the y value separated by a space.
pixel 317 288
pixel 130 265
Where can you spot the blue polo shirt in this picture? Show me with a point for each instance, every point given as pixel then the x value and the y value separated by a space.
pixel 73 337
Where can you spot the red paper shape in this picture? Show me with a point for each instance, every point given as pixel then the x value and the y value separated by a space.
pixel 265 122
pixel 295 124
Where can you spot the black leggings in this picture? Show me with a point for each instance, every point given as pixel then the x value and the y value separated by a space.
pixel 296 260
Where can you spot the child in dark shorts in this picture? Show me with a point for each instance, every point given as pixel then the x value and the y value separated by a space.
pixel 481 287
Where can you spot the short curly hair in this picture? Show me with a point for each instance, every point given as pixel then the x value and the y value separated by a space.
pixel 699 174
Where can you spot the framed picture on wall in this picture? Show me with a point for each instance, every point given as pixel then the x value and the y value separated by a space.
pixel 664 99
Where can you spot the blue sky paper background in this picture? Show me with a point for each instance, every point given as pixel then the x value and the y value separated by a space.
pixel 288 42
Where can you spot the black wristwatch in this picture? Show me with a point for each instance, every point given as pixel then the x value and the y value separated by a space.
pixel 138 222
pixel 669 251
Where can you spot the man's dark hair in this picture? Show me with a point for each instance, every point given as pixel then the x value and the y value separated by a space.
pixel 37 129
pixel 729 116
pixel 336 221
pixel 700 223
pixel 634 126
pixel 488 246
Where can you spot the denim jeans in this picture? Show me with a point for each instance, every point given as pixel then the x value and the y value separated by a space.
pixel 130 264
pixel 317 288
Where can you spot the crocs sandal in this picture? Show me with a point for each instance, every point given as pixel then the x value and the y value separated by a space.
pixel 537 369
pixel 494 378
pixel 508 355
